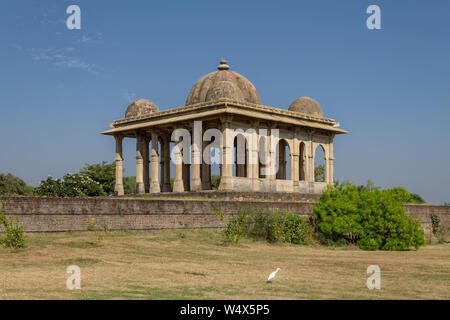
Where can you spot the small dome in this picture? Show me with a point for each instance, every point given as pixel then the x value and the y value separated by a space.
pixel 223 84
pixel 140 107
pixel 308 106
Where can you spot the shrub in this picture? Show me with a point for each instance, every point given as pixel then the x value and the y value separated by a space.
pixel 72 185
pixel 215 182
pixel 435 222
pixel 14 237
pixel 367 216
pixel 273 227
pixel 236 227
pixel 12 185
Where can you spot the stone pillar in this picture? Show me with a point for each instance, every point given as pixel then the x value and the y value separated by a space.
pixel 118 187
pixel 254 157
pixel 154 185
pixel 227 157
pixel 178 185
pixel 166 165
pixel 295 163
pixel 146 160
pixel 331 168
pixel 140 188
pixel 272 158
pixel 196 183
pixel 310 159
pixel 331 160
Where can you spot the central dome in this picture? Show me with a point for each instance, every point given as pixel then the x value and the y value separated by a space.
pixel 223 84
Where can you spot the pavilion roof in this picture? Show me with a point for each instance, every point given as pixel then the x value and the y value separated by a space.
pixel 220 107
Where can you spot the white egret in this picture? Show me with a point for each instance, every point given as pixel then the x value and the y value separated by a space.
pixel 272 275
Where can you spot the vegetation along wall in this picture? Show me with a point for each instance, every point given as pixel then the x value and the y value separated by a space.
pixel 75 214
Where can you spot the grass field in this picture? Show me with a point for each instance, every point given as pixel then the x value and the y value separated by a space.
pixel 193 264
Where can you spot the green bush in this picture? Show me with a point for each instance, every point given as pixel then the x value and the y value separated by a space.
pixel 14 237
pixel 369 217
pixel 236 226
pixel 72 185
pixel 12 185
pixel 273 227
pixel 215 182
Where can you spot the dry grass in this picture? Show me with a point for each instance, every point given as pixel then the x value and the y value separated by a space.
pixel 196 265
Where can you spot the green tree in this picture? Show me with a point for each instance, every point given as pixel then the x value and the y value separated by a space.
pixel 12 185
pixel 319 173
pixel 367 216
pixel 129 184
pixel 72 185
pixel 104 173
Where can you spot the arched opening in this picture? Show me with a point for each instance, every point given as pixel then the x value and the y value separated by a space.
pixel 319 164
pixel 129 165
pixel 186 170
pixel 240 156
pixel 205 168
pixel 284 160
pixel 302 162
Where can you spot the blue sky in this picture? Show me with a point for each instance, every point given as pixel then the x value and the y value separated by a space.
pixel 390 88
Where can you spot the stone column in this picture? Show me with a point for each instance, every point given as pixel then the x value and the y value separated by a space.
pixel 118 188
pixel 154 185
pixel 254 157
pixel 331 165
pixel 178 185
pixel 196 183
pixel 146 159
pixel 140 188
pixel 295 163
pixel 272 158
pixel 227 157
pixel 166 167
pixel 310 159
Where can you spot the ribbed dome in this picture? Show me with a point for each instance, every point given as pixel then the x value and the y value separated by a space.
pixel 306 105
pixel 140 107
pixel 223 84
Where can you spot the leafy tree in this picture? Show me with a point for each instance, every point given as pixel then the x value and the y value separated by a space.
pixel 319 173
pixel 104 173
pixel 417 198
pixel 12 185
pixel 400 194
pixel 72 185
pixel 369 217
pixel 129 184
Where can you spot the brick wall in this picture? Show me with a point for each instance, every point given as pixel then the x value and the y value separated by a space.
pixel 59 215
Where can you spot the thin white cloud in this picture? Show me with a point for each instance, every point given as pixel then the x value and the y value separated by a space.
pixel 90 39
pixel 60 58
pixel 129 96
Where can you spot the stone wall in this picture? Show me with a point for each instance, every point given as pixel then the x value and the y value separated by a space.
pixel 60 215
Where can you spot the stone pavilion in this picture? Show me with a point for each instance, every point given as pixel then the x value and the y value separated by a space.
pixel 226 101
